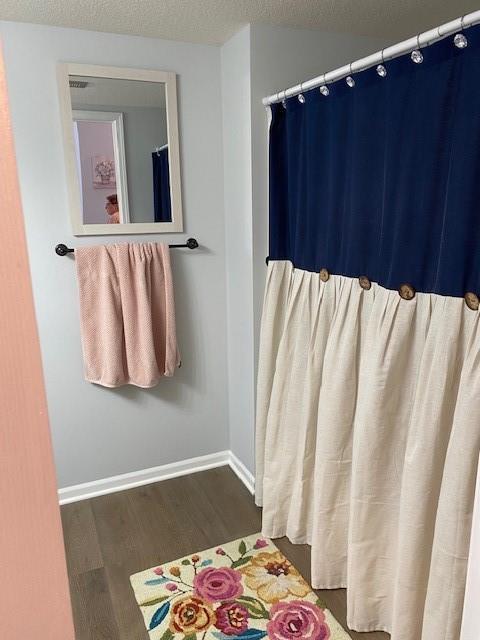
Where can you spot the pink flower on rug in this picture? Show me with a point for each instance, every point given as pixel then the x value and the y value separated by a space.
pixel 158 571
pixel 297 619
pixel 232 618
pixel 215 584
pixel 260 543
pixel 171 587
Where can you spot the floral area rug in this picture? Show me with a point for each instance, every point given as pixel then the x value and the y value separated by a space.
pixel 243 590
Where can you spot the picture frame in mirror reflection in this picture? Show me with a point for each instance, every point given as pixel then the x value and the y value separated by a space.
pixel 121 149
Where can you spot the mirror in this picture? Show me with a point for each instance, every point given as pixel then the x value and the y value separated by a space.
pixel 121 149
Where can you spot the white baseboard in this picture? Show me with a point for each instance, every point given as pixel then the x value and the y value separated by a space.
pixel 156 474
pixel 242 472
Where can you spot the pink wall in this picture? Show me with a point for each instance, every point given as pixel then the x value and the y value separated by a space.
pixel 34 598
pixel 95 138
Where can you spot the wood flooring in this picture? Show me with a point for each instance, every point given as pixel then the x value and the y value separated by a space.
pixel 109 538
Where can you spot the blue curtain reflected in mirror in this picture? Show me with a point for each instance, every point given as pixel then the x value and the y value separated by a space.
pixel 161 186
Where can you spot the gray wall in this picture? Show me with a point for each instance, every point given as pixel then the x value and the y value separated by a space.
pixel 237 138
pixel 144 129
pixel 256 62
pixel 99 432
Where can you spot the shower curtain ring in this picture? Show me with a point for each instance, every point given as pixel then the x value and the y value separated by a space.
pixel 417 55
pixel 460 39
pixel 301 97
pixel 284 99
pixel 324 90
pixel 381 68
pixel 350 81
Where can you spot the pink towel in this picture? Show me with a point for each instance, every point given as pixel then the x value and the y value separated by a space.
pixel 127 313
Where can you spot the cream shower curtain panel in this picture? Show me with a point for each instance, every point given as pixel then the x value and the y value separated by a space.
pixel 367 438
pixel 368 427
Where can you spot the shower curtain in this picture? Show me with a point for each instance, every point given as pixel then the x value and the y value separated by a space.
pixel 368 430
pixel 161 186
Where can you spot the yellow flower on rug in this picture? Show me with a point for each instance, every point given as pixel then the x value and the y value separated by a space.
pixel 190 615
pixel 274 577
pixel 243 590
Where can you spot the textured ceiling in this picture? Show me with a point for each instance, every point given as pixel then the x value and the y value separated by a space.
pixel 214 21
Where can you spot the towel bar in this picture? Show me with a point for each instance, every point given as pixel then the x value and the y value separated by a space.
pixel 191 243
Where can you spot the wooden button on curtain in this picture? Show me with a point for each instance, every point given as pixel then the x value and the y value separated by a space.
pixel 472 301
pixel 406 291
pixel 324 275
pixel 364 282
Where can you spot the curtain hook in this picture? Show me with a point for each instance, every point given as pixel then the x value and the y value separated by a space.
pixel 324 90
pixel 349 80
pixel 381 68
pixel 301 97
pixel 460 39
pixel 284 99
pixel 417 55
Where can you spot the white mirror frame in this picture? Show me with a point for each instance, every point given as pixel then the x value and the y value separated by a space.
pixel 64 71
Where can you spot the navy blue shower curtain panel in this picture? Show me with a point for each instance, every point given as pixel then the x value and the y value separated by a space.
pixel 161 186
pixel 382 179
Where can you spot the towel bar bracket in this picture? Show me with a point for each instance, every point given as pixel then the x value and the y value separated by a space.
pixel 191 243
pixel 62 250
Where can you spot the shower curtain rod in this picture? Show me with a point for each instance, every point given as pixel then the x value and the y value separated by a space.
pixel 422 40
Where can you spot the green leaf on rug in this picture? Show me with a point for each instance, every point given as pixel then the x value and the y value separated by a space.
pixel 242 547
pixel 159 615
pixel 185 562
pixel 155 581
pixel 240 561
pixel 256 609
pixel 149 603
pixel 321 604
pixel 250 599
pixel 168 635
pixel 191 636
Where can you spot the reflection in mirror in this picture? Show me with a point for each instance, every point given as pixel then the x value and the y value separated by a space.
pixel 121 150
